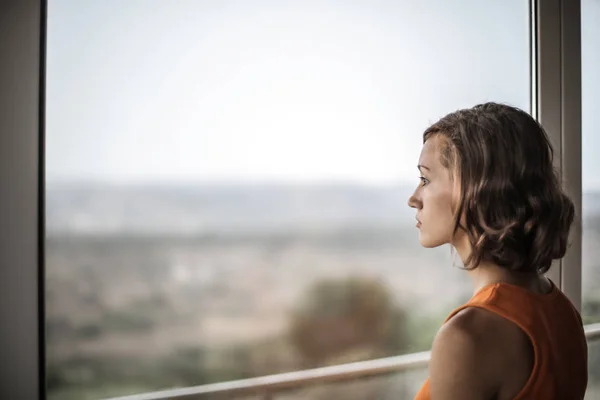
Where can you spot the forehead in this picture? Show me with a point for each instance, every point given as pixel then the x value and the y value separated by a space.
pixel 430 153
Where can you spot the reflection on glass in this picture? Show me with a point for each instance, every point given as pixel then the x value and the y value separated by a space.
pixel 227 182
pixel 590 81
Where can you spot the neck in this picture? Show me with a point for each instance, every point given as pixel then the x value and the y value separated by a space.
pixel 487 273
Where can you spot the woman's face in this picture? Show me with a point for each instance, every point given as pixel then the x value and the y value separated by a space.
pixel 435 196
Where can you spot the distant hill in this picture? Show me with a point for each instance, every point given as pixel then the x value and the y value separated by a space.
pixel 197 209
pixel 96 208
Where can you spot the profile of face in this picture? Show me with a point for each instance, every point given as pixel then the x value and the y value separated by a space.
pixel 434 197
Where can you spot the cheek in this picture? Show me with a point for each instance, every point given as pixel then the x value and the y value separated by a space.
pixel 439 206
pixel 438 219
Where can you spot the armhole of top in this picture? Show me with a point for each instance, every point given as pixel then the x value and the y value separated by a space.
pixel 490 308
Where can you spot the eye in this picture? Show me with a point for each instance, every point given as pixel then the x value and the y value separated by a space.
pixel 424 181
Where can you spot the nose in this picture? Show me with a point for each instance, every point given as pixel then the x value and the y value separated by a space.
pixel 414 201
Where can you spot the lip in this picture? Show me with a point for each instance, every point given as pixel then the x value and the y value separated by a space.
pixel 418 223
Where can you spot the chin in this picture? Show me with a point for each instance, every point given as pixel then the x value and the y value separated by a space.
pixel 430 242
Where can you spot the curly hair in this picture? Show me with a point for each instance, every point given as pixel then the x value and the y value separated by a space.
pixel 511 204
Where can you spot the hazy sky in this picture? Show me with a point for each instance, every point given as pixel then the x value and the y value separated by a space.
pixel 279 90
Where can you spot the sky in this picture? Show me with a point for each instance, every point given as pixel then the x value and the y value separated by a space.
pixel 277 90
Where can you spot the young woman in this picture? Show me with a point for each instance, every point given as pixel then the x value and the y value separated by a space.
pixel 488 188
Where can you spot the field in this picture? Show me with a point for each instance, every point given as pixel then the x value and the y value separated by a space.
pixel 146 305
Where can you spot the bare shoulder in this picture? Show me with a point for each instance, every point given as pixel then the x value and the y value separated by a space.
pixel 474 356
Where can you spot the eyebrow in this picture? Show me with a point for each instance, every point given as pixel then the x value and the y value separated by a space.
pixel 424 167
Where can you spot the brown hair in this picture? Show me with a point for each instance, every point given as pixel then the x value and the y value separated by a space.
pixel 514 211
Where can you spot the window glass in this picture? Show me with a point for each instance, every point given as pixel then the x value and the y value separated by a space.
pixel 590 88
pixel 227 181
pixel 593 388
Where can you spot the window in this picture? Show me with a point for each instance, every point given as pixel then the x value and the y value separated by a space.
pixel 227 182
pixel 590 86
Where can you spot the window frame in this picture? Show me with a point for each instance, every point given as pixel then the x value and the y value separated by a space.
pixel 556 103
pixel 22 79
pixel 555 42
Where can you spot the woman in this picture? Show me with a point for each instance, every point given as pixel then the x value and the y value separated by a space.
pixel 489 189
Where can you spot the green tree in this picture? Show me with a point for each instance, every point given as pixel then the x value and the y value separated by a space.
pixel 336 317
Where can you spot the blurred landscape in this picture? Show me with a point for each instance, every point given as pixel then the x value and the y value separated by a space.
pixel 151 287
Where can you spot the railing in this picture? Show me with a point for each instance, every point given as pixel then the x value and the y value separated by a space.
pixel 268 386
pixel 592 332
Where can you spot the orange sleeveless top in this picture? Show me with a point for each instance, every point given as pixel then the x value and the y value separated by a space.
pixel 556 332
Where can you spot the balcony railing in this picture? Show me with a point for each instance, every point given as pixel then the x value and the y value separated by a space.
pixel 268 386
